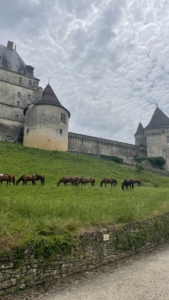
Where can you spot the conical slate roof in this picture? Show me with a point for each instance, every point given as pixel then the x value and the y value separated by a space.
pixel 158 120
pixel 140 129
pixel 49 98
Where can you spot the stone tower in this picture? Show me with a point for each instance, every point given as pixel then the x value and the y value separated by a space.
pixel 46 123
pixel 17 85
pixel 155 136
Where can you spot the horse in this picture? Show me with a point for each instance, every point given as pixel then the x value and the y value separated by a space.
pixel 41 178
pixel 112 181
pixel 84 180
pixel 138 181
pixel 8 178
pixel 24 178
pixel 76 179
pixel 65 180
pixel 126 183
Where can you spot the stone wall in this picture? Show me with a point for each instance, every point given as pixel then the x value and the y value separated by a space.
pixel 91 250
pixel 88 144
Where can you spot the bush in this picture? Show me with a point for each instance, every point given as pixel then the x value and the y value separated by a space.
pixel 157 162
pixel 139 167
pixel 116 159
pixel 140 159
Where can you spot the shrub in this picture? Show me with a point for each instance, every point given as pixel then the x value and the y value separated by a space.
pixel 157 162
pixel 139 167
pixel 116 159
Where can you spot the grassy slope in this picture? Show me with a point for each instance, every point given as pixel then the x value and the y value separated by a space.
pixel 49 209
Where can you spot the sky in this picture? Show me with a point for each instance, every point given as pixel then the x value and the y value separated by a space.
pixel 107 60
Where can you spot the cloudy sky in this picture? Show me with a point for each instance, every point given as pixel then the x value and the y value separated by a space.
pixel 108 60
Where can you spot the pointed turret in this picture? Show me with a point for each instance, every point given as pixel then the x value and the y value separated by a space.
pixel 158 120
pixel 49 98
pixel 140 129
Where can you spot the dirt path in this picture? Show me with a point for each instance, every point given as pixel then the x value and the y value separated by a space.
pixel 142 276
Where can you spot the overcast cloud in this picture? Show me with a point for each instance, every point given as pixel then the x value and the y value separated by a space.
pixel 108 60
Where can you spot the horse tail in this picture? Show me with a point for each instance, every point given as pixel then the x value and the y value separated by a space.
pixel 13 179
pixel 101 183
pixel 115 181
pixel 122 186
pixel 43 178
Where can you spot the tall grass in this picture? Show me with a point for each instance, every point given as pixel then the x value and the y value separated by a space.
pixel 50 209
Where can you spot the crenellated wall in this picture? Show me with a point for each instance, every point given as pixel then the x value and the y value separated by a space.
pixel 93 145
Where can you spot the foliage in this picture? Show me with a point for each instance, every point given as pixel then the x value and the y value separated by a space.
pixel 139 167
pixel 139 159
pixel 116 159
pixel 157 162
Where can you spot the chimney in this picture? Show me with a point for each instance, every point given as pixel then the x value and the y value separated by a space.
pixel 10 45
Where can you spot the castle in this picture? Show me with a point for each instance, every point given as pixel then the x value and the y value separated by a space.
pixel 36 118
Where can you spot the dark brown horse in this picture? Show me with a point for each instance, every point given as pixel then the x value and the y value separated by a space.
pixel 8 178
pixel 84 180
pixel 65 180
pixel 126 183
pixel 112 181
pixel 138 181
pixel 25 178
pixel 76 179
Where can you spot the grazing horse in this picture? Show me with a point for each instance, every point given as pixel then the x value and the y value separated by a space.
pixel 138 181
pixel 76 179
pixel 25 178
pixel 84 180
pixel 126 183
pixel 65 180
pixel 8 178
pixel 112 181
pixel 41 178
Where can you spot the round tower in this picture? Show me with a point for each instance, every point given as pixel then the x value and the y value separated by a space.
pixel 46 123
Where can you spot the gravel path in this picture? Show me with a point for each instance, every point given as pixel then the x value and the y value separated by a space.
pixel 142 276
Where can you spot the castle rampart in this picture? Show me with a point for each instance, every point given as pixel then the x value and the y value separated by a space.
pixel 87 144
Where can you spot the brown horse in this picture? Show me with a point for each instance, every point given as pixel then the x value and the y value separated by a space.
pixel 84 180
pixel 65 180
pixel 112 181
pixel 8 178
pixel 25 178
pixel 76 179
pixel 138 181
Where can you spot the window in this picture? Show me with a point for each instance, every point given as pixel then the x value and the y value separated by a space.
pixel 16 118
pixel 18 103
pixel 19 95
pixel 61 132
pixel 30 84
pixel 63 118
pixel 29 98
pixel 167 139
pixel 20 80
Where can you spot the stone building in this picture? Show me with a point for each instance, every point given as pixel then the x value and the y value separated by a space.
pixel 155 136
pixel 46 122
pixel 17 85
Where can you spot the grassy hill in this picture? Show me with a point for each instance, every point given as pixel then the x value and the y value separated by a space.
pixel 27 212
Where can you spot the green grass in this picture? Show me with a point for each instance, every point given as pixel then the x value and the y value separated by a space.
pixel 28 212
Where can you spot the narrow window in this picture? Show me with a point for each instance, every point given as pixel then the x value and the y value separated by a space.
pixel 63 118
pixel 30 84
pixel 20 80
pixel 61 132
pixel 19 95
pixel 16 118
pixel 29 98
pixel 18 103
pixel 167 139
